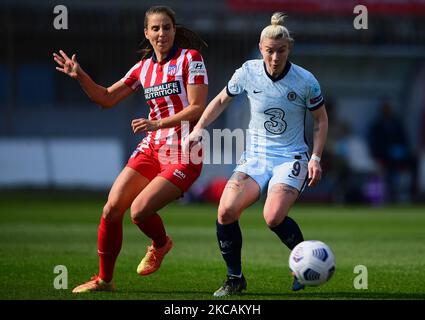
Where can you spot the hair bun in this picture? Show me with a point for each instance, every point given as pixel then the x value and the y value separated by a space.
pixel 278 19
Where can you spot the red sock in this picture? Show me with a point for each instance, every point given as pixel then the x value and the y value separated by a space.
pixel 153 227
pixel 109 243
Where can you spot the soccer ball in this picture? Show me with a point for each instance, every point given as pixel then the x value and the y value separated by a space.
pixel 313 262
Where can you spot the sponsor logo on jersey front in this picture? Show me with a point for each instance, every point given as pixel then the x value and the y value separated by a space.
pixel 163 90
pixel 276 123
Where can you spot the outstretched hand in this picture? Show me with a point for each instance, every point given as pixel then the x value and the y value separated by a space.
pixel 67 65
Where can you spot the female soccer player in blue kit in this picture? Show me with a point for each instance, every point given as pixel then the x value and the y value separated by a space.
pixel 279 93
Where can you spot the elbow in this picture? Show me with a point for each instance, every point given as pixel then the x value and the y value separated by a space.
pixel 105 104
pixel 106 101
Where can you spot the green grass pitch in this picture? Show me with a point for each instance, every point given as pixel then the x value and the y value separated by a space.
pixel 38 233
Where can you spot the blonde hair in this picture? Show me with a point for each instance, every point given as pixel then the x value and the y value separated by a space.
pixel 277 30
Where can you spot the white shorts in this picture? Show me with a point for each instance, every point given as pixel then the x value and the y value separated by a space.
pixel 291 170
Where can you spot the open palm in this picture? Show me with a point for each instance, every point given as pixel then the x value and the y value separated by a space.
pixel 67 65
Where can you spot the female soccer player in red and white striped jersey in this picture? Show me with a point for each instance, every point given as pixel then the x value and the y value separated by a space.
pixel 175 83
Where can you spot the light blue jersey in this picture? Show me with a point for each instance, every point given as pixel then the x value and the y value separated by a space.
pixel 277 150
pixel 278 106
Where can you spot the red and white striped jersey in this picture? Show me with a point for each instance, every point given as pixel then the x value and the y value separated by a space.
pixel 165 88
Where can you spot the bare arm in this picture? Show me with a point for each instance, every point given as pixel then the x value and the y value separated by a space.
pixel 105 97
pixel 320 131
pixel 197 97
pixel 214 109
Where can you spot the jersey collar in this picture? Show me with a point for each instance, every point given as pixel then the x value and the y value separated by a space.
pixel 282 75
pixel 170 55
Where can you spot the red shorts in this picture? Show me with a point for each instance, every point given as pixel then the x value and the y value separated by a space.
pixel 147 162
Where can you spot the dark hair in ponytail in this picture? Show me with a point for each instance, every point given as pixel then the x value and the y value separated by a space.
pixel 185 38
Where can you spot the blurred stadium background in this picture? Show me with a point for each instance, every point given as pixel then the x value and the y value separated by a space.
pixel 53 137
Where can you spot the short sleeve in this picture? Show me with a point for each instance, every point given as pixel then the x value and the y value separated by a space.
pixel 132 77
pixel 314 98
pixel 236 85
pixel 196 70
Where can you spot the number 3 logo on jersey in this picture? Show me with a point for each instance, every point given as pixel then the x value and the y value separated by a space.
pixel 275 124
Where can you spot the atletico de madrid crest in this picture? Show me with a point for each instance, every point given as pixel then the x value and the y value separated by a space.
pixel 172 70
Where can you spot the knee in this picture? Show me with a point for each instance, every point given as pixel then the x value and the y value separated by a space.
pixel 112 211
pixel 139 211
pixel 227 214
pixel 273 219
